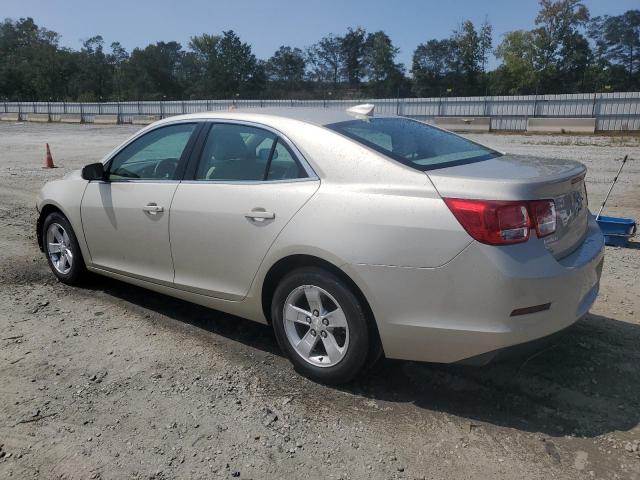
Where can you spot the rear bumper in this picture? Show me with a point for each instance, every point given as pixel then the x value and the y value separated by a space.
pixel 464 308
pixel 514 352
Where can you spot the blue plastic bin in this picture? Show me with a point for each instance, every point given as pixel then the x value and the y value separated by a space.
pixel 617 231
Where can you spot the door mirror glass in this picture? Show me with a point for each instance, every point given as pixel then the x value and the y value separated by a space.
pixel 93 171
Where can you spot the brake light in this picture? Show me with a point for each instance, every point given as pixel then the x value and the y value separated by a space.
pixel 497 222
pixel 544 215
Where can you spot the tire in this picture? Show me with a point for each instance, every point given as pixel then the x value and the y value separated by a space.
pixel 69 266
pixel 350 346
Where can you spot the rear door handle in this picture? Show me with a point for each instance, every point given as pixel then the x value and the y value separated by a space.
pixel 260 215
pixel 153 208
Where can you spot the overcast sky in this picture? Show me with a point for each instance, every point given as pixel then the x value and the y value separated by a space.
pixel 268 24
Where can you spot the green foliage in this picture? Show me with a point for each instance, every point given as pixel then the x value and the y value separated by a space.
pixel 31 66
pixel 385 76
pixel 325 61
pixel 485 43
pixel 617 39
pixel 436 67
pixel 153 73
pixel 469 50
pixel 517 74
pixel 286 65
pixel 566 52
pixel 221 66
pixel 352 49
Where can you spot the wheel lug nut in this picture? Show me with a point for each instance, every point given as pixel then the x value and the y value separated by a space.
pixel 325 321
pixel 316 313
pixel 308 319
pixel 323 334
pixel 313 332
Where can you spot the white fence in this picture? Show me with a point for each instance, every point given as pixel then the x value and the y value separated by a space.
pixel 612 111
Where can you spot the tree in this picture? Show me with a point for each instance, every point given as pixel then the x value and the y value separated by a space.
pixel 154 73
pixel 325 60
pixel 352 47
pixel 117 59
pixel 617 39
pixel 286 65
pixel 485 41
pixel 222 65
pixel 556 38
pixel 31 67
pixel 517 75
pixel 379 57
pixel 94 78
pixel 433 61
pixel 384 74
pixel 469 49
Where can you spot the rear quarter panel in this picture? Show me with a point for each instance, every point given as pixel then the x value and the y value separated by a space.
pixel 369 209
pixel 377 225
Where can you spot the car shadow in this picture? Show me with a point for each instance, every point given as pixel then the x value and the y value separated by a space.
pixel 585 383
pixel 633 245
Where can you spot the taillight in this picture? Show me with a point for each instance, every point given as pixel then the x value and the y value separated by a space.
pixel 497 222
pixel 544 215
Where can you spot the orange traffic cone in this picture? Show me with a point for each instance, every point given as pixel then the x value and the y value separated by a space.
pixel 48 161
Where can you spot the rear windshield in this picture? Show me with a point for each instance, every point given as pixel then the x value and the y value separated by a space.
pixel 414 143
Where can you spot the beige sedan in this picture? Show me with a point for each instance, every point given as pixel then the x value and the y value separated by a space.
pixel 353 235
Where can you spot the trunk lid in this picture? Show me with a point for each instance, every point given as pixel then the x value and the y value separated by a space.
pixel 520 177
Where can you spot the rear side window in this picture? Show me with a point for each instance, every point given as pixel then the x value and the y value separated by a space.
pixel 283 165
pixel 414 143
pixel 235 152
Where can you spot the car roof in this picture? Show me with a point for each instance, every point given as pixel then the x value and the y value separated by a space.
pixel 315 116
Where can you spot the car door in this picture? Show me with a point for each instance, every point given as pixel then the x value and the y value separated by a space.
pixel 126 217
pixel 246 185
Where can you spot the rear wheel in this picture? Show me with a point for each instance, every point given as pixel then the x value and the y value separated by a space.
pixel 62 249
pixel 321 325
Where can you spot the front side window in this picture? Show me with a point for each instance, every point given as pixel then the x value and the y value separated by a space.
pixel 245 153
pixel 153 156
pixel 414 143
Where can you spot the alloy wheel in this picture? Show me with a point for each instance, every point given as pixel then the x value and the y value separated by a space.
pixel 316 326
pixel 59 248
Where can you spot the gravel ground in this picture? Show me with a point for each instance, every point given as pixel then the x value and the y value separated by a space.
pixel 112 381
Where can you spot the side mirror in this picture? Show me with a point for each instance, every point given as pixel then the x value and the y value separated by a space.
pixel 94 171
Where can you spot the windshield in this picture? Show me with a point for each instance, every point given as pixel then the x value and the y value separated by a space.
pixel 414 143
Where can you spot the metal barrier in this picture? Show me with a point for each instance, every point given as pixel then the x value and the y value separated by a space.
pixel 611 111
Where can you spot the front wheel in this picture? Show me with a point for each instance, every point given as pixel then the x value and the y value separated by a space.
pixel 321 325
pixel 62 249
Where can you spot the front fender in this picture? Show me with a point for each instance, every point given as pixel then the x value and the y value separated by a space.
pixel 64 195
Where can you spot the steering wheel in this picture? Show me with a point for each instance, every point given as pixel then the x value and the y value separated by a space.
pixel 165 168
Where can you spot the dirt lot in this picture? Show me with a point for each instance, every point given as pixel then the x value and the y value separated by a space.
pixel 112 381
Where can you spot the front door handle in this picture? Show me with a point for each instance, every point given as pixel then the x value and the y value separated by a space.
pixel 153 208
pixel 260 215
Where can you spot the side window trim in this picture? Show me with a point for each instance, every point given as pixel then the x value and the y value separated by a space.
pixel 182 163
pixel 267 167
pixel 186 154
pixel 196 154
